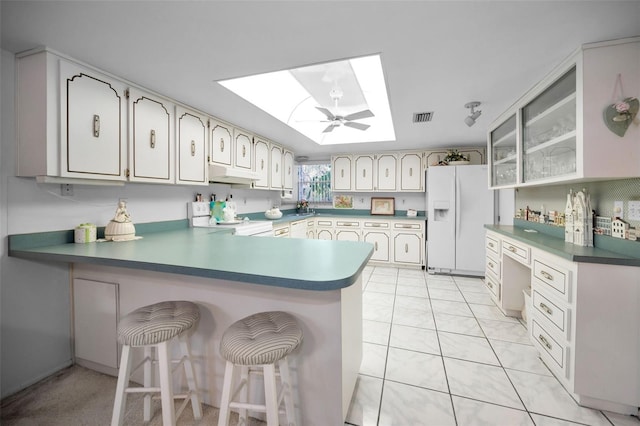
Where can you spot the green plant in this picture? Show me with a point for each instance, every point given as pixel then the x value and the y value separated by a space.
pixel 454 155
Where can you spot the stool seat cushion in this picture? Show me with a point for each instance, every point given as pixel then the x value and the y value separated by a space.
pixel 157 323
pixel 261 338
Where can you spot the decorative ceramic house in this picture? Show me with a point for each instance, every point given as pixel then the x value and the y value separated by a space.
pixel 579 219
pixel 568 218
pixel 619 228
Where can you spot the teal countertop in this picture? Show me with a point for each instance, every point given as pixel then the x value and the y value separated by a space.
pixel 558 247
pixel 205 252
pixel 293 217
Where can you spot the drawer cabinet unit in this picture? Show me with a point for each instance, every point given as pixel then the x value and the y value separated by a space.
pixel 411 171
pixel 547 345
pixel 220 142
pixel 555 278
pixel 243 146
pixel 493 266
pixel 516 250
pixel 494 287
pixel 556 132
pixel 556 313
pixel 282 230
pixel 71 120
pixel 191 134
pixel 151 138
pixel 492 245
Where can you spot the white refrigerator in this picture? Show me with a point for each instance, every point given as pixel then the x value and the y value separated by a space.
pixel 459 204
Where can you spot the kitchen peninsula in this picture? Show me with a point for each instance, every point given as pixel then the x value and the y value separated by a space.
pixel 230 277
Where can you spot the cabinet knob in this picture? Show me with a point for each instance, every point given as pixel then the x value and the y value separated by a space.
pixel 152 139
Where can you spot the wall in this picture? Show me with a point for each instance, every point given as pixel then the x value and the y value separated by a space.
pixel 603 194
pixel 35 309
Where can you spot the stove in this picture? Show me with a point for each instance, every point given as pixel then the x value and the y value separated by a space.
pixel 198 215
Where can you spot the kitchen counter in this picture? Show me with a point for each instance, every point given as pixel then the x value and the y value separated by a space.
pixel 213 253
pixel 558 247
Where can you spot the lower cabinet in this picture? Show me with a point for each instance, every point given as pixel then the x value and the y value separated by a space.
pixel 282 230
pixel 298 229
pixel 408 242
pixel 95 322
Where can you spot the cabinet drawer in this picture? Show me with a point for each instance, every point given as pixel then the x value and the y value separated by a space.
pixel 324 223
pixel 543 341
pixel 382 225
pixel 492 244
pixel 417 226
pixel 493 286
pixel 347 224
pixel 557 315
pixel 492 266
pixel 519 252
pixel 553 277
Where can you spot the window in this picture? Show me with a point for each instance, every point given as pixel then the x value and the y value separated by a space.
pixel 314 183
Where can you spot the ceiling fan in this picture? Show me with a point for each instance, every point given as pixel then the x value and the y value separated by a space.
pixel 343 120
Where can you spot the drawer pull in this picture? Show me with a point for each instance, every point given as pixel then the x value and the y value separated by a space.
pixel 406 248
pixel 491 265
pixel 546 308
pixel 341 172
pixel 410 171
pixel 221 145
pixel 364 173
pixel 546 275
pixel 96 126
pixel 386 172
pixel 375 225
pixel 512 249
pixel 193 148
pixel 262 164
pixel 545 342
pixel 244 151
pixel 376 244
pixel 152 140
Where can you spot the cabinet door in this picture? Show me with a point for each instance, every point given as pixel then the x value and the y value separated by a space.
pixel 386 172
pixel 95 321
pixel 151 147
pixel 287 163
pixel 243 143
pixel 220 143
pixel 504 154
pixel 411 176
pixel 347 235
pixel 261 163
pixel 192 147
pixel 363 172
pixel 380 241
pixel 275 181
pixel 324 234
pixel 299 229
pixel 407 248
pixel 341 173
pixel 92 124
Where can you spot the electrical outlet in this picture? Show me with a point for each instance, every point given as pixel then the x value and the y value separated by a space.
pixel 618 209
pixel 66 189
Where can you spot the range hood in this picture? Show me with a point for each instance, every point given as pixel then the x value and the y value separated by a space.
pixel 225 174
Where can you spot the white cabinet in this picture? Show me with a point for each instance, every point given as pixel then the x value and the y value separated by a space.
pixel 386 167
pixel 243 144
pixel 341 171
pixel 191 143
pixel 261 163
pixel 282 230
pixel 298 229
pixel 556 131
pixel 311 229
pixel 95 321
pixel 71 120
pixel 151 138
pixel 275 167
pixel 377 233
pixel 411 171
pixel 220 143
pixel 408 242
pixel 324 228
pixel 288 170
pixel 363 176
pixel 347 230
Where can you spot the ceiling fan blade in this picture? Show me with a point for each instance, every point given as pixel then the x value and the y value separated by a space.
pixel 326 112
pixel 331 127
pixel 358 126
pixel 358 115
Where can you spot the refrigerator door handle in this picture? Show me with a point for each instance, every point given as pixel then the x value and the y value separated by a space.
pixel 458 224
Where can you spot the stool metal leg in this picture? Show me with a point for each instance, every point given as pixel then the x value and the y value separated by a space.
pixel 147 381
pixel 271 394
pixel 191 377
pixel 223 416
pixel 123 382
pixel 285 378
pixel 166 385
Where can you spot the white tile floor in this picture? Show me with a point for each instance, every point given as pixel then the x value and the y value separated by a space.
pixel 437 351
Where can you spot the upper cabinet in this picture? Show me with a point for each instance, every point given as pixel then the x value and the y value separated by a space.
pixel 364 179
pixel 152 145
pixel 558 131
pixel 243 142
pixel 261 162
pixel 341 171
pixel 275 158
pixel 220 143
pixel 386 166
pixel 191 147
pixel 287 170
pixel 383 172
pixel 411 171
pixel 71 121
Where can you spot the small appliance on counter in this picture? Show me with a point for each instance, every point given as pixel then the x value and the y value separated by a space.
pixel 198 214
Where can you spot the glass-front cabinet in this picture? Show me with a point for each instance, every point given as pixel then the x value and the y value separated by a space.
pixel 557 132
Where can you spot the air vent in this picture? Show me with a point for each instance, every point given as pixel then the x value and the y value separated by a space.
pixel 422 117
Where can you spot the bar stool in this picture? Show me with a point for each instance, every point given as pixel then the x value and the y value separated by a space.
pixel 149 327
pixel 259 342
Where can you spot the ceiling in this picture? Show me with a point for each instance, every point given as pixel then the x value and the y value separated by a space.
pixel 437 56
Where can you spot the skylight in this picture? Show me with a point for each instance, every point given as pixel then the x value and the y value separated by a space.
pixel 331 103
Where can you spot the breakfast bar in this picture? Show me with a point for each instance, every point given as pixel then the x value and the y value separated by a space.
pixel 230 277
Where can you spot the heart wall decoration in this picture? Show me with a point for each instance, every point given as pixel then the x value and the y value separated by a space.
pixel 619 116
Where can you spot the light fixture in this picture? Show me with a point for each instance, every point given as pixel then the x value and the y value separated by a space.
pixel 471 120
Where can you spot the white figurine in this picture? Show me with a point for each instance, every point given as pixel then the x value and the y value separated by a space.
pixel 122 215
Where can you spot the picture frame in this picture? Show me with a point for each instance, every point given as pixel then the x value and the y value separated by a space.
pixel 383 206
pixel 343 201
